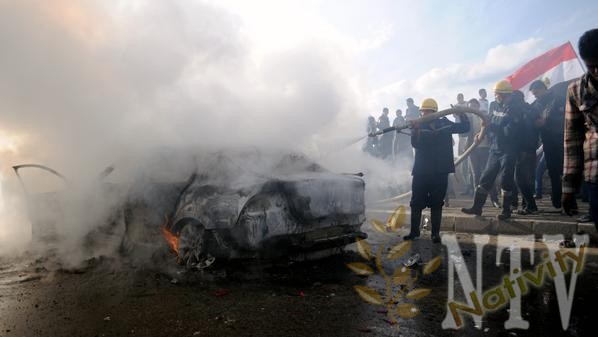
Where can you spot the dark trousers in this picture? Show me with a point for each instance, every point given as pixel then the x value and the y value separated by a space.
pixel 499 165
pixel 427 191
pixel 540 169
pixel 477 161
pixel 592 189
pixel 553 153
pixel 525 171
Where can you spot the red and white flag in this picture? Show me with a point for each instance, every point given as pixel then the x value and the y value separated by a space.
pixel 556 65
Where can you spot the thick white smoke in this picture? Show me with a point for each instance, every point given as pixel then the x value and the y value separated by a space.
pixel 88 84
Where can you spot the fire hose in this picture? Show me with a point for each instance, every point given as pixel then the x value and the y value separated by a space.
pixel 454 110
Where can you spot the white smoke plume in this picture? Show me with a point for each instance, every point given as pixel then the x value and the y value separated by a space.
pixel 86 84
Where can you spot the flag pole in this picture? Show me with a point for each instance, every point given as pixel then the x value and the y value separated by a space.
pixel 583 67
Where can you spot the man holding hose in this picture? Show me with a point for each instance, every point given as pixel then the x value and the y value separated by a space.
pixel 433 144
pixel 504 131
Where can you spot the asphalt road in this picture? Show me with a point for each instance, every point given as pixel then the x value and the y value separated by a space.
pixel 117 297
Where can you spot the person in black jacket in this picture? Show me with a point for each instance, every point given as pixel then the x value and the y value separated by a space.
pixel 525 167
pixel 433 144
pixel 551 107
pixel 504 131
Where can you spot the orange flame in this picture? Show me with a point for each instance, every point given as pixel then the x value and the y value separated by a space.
pixel 171 239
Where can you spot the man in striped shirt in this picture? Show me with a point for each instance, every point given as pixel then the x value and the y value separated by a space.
pixel 581 130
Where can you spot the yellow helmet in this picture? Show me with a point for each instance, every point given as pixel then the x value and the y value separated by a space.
pixel 429 104
pixel 503 87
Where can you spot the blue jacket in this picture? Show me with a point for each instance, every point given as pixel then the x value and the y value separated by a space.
pixel 530 133
pixel 504 129
pixel 433 143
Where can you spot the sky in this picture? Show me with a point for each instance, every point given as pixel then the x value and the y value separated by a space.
pixel 421 48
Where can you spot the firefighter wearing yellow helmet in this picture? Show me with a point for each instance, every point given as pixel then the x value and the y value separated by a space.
pixel 429 104
pixel 433 144
pixel 504 130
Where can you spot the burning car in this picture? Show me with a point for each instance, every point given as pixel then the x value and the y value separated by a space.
pixel 230 205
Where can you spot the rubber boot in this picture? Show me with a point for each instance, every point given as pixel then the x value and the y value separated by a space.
pixel 436 219
pixel 416 218
pixel 506 206
pixel 479 199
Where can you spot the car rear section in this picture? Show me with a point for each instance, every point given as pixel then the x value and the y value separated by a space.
pixel 303 213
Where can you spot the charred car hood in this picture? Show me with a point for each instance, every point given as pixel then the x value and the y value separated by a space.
pixel 309 196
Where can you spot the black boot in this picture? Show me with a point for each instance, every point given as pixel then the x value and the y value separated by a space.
pixel 416 218
pixel 506 206
pixel 529 208
pixel 436 219
pixel 479 199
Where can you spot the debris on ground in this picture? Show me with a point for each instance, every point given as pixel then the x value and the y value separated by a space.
pixel 567 244
pixel 389 322
pixel 221 292
pixel 412 260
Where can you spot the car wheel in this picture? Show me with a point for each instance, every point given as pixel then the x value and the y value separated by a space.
pixel 192 244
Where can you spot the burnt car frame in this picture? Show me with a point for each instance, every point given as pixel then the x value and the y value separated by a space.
pixel 290 206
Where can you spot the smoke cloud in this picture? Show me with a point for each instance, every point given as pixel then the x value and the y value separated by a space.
pixel 89 84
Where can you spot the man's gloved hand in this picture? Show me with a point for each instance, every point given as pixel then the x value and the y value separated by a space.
pixel 569 204
pixel 413 125
pixel 477 138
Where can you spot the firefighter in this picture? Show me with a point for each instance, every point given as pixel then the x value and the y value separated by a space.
pixel 504 131
pixel 433 144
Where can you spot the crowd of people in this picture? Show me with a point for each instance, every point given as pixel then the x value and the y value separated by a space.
pixel 391 145
pixel 515 145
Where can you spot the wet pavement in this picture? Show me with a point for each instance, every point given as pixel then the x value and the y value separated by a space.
pixel 116 297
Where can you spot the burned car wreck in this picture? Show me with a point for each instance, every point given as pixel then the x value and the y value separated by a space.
pixel 234 205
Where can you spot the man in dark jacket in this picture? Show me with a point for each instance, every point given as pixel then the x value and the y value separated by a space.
pixel 504 131
pixel 525 167
pixel 433 145
pixel 551 107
